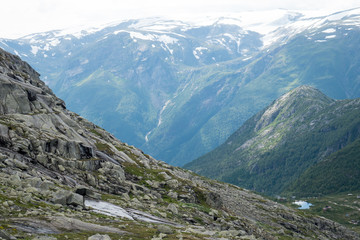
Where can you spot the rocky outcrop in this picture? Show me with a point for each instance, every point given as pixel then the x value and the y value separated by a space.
pixel 51 160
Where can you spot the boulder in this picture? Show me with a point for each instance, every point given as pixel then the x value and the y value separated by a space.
pixel 172 208
pixel 65 197
pixel 99 237
pixel 75 200
pixel 87 192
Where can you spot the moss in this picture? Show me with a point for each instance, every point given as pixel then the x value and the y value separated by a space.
pixel 103 147
pixel 95 132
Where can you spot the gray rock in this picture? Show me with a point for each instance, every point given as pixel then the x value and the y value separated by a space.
pixel 75 200
pixel 87 192
pixel 6 235
pixel 99 237
pixel 173 183
pixel 173 195
pixel 15 180
pixel 60 197
pixel 20 165
pixel 172 207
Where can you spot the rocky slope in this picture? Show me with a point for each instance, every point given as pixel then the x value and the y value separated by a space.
pixel 274 147
pixel 177 90
pixel 63 177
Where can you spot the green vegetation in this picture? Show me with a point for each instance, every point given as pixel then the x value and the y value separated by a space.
pixel 339 172
pixel 341 207
pixel 279 144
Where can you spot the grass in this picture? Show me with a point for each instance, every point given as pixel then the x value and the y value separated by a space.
pixel 344 208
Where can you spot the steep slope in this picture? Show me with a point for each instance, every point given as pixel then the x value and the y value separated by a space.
pixel 55 166
pixel 178 90
pixel 274 147
pixel 337 173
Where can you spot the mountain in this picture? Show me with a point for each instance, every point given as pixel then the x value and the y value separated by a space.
pixel 337 173
pixel 302 134
pixel 63 177
pixel 178 89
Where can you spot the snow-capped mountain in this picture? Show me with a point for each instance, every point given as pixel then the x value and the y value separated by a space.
pixel 171 86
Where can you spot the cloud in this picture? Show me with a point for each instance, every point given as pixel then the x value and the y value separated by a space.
pixel 20 17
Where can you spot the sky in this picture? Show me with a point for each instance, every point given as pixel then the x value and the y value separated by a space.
pixel 22 17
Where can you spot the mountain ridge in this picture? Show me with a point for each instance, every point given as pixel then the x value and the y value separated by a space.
pixel 147 77
pixel 274 147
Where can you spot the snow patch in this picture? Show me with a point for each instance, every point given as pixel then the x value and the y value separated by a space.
pixel 329 30
pixel 330 36
pixel 54 42
pixel 85 61
pixel 108 209
pixel 34 49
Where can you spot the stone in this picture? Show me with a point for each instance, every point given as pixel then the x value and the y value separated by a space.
pixel 87 192
pixel 75 200
pixel 6 235
pixel 164 229
pixel 173 183
pixel 99 237
pixel 60 197
pixel 91 180
pixel 173 195
pixel 165 176
pixel 15 180
pixel 61 168
pixel 20 165
pixel 172 207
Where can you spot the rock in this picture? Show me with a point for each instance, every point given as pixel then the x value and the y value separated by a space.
pixel 173 195
pixel 60 197
pixel 99 237
pixel 172 207
pixel 146 197
pixel 173 183
pixel 75 200
pixel 87 192
pixel 44 238
pixel 64 197
pixel 20 165
pixel 61 168
pixel 164 229
pixel 91 180
pixel 6 235
pixel 165 176
pixel 15 180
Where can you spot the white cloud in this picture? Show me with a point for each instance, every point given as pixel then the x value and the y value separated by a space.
pixel 21 17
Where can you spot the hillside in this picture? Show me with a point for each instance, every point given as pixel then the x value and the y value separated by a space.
pixel 179 89
pixel 302 131
pixel 337 173
pixel 65 178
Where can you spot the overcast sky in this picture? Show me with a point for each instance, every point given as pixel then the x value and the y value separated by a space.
pixel 22 17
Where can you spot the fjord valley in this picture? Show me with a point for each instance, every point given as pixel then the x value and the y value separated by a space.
pixel 63 177
pixel 177 90
pixel 266 107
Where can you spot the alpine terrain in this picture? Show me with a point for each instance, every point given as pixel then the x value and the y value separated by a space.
pixel 303 144
pixel 63 177
pixel 179 89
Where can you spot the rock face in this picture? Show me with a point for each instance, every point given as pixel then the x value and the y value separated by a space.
pixel 51 159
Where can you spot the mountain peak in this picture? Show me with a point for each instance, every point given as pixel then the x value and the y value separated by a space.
pixel 301 101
